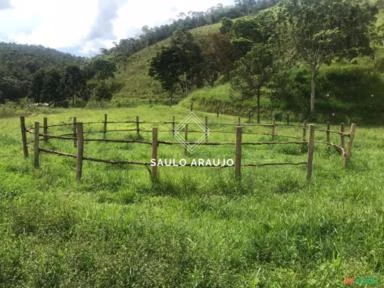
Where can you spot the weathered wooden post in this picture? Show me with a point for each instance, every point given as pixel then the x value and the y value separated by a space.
pixel 342 136
pixel 305 131
pixel 311 149
pixel 36 150
pixel 273 130
pixel 155 145
pixel 305 146
pixel 238 121
pixel 186 140
pixel 137 125
pixel 105 127
pixel 348 152
pixel 328 132
pixel 173 126
pixel 24 136
pixel 206 129
pixel 45 129
pixel 238 153
pixel 74 132
pixel 80 151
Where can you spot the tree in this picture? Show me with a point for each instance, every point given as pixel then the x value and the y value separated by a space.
pixel 325 29
pixel 74 82
pixel 102 69
pixel 219 56
pixel 253 71
pixel 179 65
pixel 226 25
pixel 245 5
pixel 51 91
pixel 37 85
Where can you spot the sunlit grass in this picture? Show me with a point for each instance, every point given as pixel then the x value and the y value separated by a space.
pixel 196 227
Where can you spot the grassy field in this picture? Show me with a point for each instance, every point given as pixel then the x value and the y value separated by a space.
pixel 197 227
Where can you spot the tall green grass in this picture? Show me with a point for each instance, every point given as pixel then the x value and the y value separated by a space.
pixel 196 227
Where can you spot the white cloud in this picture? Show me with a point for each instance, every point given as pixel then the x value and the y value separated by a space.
pixel 87 24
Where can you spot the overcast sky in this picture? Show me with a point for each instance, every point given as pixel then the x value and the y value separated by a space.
pixel 82 27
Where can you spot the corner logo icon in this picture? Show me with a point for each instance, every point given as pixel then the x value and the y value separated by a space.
pixel 192 120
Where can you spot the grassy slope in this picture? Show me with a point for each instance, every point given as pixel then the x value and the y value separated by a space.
pixel 197 227
pixel 140 86
pixel 224 98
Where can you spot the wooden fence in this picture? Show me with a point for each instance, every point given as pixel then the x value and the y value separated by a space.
pixel 77 136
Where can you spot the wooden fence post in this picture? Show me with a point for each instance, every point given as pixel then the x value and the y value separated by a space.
pixel 305 131
pixel 155 145
pixel 311 148
pixel 24 136
pixel 328 132
pixel 173 126
pixel 137 125
pixel 45 129
pixel 305 146
pixel 105 126
pixel 74 132
pixel 238 121
pixel 273 130
pixel 206 129
pixel 288 122
pixel 348 152
pixel 238 153
pixel 186 139
pixel 342 136
pixel 36 160
pixel 80 151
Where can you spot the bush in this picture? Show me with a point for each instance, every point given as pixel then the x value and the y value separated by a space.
pixel 355 91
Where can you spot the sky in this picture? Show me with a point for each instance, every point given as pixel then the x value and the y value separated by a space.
pixel 82 27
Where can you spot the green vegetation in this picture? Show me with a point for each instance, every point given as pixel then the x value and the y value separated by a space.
pixel 199 227
pixel 196 227
pixel 19 64
pixel 232 54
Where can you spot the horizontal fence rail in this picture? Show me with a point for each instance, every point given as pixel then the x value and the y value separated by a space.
pixel 78 137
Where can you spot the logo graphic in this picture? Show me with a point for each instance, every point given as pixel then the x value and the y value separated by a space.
pixel 361 281
pixel 191 121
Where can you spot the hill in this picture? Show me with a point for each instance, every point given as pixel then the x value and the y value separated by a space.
pixel 138 85
pixel 18 64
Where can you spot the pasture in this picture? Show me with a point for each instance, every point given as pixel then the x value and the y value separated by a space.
pixel 195 227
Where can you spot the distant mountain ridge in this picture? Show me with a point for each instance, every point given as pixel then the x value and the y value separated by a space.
pixel 19 62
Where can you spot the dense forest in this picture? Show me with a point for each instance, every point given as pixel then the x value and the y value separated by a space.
pixel 45 75
pixel 18 64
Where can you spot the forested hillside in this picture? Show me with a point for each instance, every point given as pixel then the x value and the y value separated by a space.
pixel 18 64
pixel 290 57
pixel 44 75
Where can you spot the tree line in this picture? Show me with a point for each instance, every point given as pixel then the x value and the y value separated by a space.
pixel 73 84
pixel 149 36
pixel 281 52
pixel 48 76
